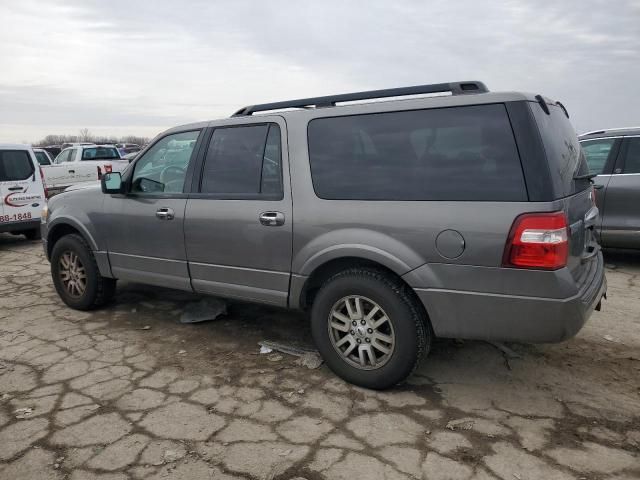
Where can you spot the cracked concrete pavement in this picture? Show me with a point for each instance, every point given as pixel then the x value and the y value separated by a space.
pixel 101 397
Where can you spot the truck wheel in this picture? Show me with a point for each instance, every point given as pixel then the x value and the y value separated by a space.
pixel 76 276
pixel 368 328
pixel 33 234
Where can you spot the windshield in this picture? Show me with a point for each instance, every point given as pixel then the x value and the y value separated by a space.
pixel 42 158
pixel 100 153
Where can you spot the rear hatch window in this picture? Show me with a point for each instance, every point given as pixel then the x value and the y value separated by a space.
pixel 15 165
pixel 564 155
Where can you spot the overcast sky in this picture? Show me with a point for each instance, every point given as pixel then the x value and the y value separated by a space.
pixel 138 67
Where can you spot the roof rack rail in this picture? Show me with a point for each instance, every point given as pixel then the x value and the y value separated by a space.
pixel 607 130
pixel 456 88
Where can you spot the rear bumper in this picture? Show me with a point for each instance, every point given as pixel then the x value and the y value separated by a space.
pixel 492 316
pixel 19 226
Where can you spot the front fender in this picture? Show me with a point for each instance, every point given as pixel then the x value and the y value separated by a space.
pixel 66 220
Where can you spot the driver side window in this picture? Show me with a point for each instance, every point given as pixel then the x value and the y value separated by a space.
pixel 163 167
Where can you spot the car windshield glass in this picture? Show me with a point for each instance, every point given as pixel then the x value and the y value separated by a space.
pixel 42 158
pixel 15 165
pixel 100 153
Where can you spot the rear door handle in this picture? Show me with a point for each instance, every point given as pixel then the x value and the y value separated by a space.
pixel 272 219
pixel 165 213
pixel 72 171
pixel 13 189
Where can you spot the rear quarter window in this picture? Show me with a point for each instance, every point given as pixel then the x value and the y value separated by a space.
pixel 565 157
pixel 456 153
pixel 15 165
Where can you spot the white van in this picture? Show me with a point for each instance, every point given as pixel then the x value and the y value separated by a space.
pixel 22 191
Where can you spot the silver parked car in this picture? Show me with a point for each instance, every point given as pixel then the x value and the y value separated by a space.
pixel 391 222
pixel 614 156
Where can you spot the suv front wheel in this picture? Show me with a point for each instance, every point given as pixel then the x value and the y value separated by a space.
pixel 76 276
pixel 368 328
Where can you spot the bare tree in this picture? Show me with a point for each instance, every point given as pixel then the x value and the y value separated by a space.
pixel 85 135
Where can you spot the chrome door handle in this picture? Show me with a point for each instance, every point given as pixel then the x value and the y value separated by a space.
pixel 165 213
pixel 272 219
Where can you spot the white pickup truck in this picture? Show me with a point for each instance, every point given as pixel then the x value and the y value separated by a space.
pixel 80 164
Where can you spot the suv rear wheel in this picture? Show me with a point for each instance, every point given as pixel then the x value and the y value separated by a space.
pixel 76 276
pixel 368 328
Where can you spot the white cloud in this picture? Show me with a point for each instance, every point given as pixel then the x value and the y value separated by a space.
pixel 139 67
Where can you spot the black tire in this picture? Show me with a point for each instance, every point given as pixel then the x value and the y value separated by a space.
pixel 410 325
pixel 33 234
pixel 99 290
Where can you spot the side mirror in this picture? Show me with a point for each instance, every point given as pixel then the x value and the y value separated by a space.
pixel 111 182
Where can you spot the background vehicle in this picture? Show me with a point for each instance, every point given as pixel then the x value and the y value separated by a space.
pixel 614 156
pixel 42 156
pixel 81 163
pixel 130 157
pixel 466 216
pixel 75 144
pixel 127 148
pixel 21 190
pixel 53 150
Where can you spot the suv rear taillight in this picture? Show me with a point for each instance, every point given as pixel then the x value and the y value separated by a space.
pixel 538 240
pixel 107 168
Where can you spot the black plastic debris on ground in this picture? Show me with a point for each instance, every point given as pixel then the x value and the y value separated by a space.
pixel 204 310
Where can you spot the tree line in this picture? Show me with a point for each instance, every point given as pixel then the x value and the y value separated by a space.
pixel 86 136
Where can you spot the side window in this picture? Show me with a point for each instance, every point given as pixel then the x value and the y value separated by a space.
pixel 244 160
pixel 271 181
pixel 597 152
pixel 163 167
pixel 632 156
pixel 456 153
pixel 63 156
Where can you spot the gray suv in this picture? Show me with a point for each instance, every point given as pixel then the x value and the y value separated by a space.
pixel 613 157
pixel 469 215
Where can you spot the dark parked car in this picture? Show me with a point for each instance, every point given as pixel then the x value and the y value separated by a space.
pixel 467 216
pixel 614 156
pixel 54 150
